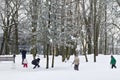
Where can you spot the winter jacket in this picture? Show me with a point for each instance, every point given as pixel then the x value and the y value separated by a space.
pixel 23 53
pixel 36 61
pixel 113 60
pixel 76 61
pixel 25 61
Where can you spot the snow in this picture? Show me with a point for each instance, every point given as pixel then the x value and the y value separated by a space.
pixel 101 70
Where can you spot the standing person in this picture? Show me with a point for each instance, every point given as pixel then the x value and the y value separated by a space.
pixel 25 63
pixel 113 62
pixel 36 62
pixel 76 62
pixel 23 51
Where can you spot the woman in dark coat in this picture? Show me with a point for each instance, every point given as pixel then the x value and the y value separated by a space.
pixel 23 51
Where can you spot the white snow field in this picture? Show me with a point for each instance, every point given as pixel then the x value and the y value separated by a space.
pixel 101 70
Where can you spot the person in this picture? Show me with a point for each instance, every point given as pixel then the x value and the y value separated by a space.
pixel 14 57
pixel 25 63
pixel 35 62
pixel 113 62
pixel 76 62
pixel 23 51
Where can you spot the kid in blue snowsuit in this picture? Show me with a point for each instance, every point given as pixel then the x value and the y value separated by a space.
pixel 35 62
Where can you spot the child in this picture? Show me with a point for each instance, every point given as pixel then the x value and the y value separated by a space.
pixel 76 62
pixel 113 62
pixel 25 63
pixel 35 62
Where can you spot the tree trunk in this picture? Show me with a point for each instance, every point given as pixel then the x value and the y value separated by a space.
pixel 53 54
pixel 63 53
pixel 16 30
pixel 95 30
pixel 105 51
pixel 47 57
pixel 34 26
pixel 88 26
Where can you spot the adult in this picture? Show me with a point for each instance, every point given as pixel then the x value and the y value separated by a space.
pixel 23 52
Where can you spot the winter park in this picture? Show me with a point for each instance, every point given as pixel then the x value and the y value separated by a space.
pixel 59 39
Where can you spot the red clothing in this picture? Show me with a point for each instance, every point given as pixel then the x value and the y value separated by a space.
pixel 25 65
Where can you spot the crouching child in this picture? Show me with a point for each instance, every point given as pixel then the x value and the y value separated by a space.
pixel 35 62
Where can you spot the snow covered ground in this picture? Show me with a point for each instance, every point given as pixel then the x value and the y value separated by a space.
pixel 101 70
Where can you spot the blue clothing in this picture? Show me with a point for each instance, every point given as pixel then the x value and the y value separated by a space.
pixel 36 62
pixel 23 54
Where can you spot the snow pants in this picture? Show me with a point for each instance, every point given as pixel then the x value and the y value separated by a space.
pixel 76 67
pixel 113 66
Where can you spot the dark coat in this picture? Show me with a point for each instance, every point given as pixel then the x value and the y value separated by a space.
pixel 36 61
pixel 23 53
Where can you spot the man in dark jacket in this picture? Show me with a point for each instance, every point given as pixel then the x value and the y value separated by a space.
pixel 113 62
pixel 36 62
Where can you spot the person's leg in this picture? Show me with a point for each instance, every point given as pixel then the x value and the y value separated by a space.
pixel 75 67
pixel 112 66
pixel 22 60
pixel 34 67
pixel 38 65
pixel 26 65
pixel 23 65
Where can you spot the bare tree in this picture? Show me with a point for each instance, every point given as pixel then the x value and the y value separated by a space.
pixel 34 26
pixel 10 19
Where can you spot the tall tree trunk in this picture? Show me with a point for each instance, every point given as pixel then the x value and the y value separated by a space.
pixel 105 51
pixel 88 25
pixel 34 26
pixel 63 53
pixel 95 30
pixel 84 51
pixel 16 29
pixel 47 32
pixel 96 25
pixel 6 47
pixel 53 54
pixel 112 44
pixel 47 56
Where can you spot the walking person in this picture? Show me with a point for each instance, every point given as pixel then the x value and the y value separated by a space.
pixel 113 62
pixel 76 62
pixel 23 51
pixel 35 62
pixel 25 63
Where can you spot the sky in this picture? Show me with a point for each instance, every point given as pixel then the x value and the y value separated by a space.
pixel 101 70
